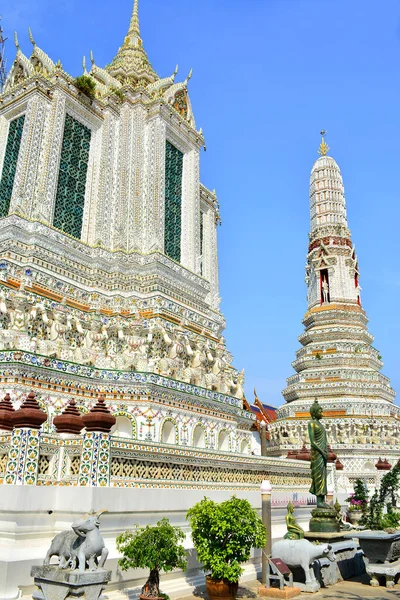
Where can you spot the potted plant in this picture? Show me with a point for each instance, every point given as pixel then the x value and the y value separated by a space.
pixel 158 548
pixel 223 535
pixel 358 502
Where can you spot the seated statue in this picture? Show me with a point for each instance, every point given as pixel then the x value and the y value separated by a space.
pixel 294 531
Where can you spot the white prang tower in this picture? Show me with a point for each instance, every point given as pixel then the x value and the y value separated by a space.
pixel 337 363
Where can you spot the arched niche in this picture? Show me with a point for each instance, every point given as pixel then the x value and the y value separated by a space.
pixel 199 437
pixel 168 432
pixel 122 428
pixel 223 441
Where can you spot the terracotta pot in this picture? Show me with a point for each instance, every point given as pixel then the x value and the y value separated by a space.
pixel 221 589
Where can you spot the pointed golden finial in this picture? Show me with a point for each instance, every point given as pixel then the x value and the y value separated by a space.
pixel 16 42
pixel 31 37
pixel 323 147
pixel 134 26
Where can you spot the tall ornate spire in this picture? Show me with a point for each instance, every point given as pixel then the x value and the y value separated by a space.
pixel 131 65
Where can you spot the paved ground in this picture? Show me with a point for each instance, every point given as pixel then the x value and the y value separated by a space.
pixel 356 589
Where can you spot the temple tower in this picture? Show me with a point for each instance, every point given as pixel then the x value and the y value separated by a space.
pixel 108 251
pixel 337 362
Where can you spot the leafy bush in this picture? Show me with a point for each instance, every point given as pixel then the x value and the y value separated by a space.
pixel 224 534
pixel 157 548
pixel 86 85
pixel 375 518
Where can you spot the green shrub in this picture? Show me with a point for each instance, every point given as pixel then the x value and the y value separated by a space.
pixel 86 85
pixel 157 548
pixel 119 93
pixel 224 534
pixel 383 498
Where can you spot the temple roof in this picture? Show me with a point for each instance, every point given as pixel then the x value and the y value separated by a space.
pixel 131 64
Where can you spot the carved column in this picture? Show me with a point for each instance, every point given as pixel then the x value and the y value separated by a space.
pixel 96 449
pixel 23 459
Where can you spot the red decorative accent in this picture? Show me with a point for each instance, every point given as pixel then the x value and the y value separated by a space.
pixel 328 241
pixel 70 420
pixel 304 454
pixel 331 455
pixel 6 413
pixel 339 466
pixel 383 465
pixel 99 418
pixel 292 454
pixel 29 414
pixel 281 566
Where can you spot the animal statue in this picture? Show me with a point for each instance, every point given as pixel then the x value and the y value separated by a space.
pixel 302 553
pixel 84 545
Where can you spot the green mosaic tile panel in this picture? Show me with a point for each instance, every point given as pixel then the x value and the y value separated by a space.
pixel 10 163
pixel 173 201
pixel 70 198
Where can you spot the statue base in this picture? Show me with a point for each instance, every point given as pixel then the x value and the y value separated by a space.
pixel 324 520
pixel 57 584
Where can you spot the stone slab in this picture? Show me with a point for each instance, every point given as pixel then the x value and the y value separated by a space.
pixel 325 536
pixel 388 571
pixel 287 592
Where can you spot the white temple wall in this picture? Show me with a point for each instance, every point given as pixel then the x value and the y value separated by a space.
pixel 50 158
pixel 154 184
pixel 99 228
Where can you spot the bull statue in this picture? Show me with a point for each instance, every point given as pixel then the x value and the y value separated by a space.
pixel 302 553
pixel 81 548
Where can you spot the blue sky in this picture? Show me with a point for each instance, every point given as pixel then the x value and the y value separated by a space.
pixel 268 76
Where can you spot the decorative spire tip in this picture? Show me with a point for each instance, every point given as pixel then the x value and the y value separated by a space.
pixel 16 42
pixel 31 37
pixel 323 147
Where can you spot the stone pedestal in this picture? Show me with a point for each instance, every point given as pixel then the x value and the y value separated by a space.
pixel 57 584
pixel 388 572
pixel 324 520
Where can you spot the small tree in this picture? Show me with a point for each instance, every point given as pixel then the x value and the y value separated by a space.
pixel 224 534
pixel 157 548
